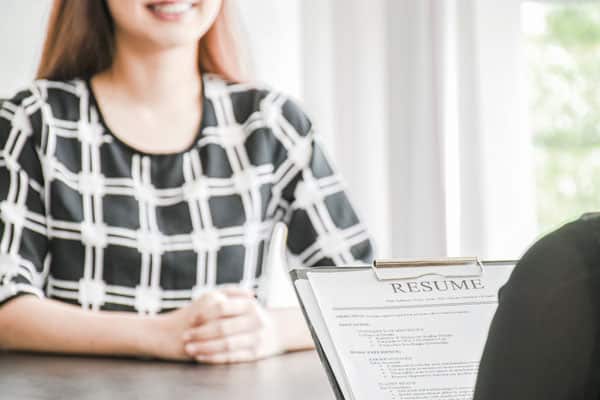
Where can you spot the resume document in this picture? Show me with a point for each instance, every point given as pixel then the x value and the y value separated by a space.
pixel 411 339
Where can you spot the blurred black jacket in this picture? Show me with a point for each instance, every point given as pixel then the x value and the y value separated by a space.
pixel 543 342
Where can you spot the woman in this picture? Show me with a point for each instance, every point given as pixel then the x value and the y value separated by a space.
pixel 141 174
pixel 544 339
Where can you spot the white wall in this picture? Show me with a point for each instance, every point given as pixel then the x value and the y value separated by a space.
pixel 22 26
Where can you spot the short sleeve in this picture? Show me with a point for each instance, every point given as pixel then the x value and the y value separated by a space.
pixel 23 233
pixel 323 226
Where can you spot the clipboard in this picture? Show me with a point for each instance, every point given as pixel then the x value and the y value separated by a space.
pixel 383 270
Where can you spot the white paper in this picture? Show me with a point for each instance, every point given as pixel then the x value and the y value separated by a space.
pixel 411 339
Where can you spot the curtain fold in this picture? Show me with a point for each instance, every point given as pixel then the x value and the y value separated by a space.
pixel 424 106
pixel 497 204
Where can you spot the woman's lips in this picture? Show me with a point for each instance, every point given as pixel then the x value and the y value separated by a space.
pixel 170 10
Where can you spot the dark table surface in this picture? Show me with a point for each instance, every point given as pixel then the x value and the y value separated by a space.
pixel 32 376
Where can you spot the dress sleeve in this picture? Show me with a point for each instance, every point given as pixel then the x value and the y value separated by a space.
pixel 543 341
pixel 23 233
pixel 323 227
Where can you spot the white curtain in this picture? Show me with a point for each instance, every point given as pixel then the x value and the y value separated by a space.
pixel 344 80
pixel 424 104
pixel 497 185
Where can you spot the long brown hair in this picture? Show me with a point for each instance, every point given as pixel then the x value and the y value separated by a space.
pixel 81 40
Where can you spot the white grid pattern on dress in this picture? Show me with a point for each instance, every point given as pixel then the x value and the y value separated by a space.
pixel 19 274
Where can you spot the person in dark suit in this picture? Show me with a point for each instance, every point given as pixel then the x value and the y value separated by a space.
pixel 543 341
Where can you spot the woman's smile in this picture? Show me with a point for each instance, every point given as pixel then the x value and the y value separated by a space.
pixel 171 10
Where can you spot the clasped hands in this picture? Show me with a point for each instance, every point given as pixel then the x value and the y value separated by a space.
pixel 224 326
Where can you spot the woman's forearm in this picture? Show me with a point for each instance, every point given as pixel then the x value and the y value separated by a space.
pixel 33 324
pixel 30 323
pixel 292 329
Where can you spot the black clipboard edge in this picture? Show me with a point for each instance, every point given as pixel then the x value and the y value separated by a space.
pixel 300 274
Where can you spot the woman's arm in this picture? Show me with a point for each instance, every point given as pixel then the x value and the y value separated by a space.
pixel 324 228
pixel 34 324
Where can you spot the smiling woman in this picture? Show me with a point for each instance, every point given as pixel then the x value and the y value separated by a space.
pixel 140 178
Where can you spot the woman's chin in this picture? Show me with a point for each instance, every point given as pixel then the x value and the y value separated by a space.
pixel 173 40
pixel 159 37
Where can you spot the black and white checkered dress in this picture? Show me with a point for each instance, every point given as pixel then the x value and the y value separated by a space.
pixel 86 219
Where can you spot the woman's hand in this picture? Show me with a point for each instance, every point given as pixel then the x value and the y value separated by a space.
pixel 227 325
pixel 232 327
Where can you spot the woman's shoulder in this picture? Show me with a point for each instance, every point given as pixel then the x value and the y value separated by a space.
pixel 251 100
pixel 45 90
pixel 32 107
pixel 61 97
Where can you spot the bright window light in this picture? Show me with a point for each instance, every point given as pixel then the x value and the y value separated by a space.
pixel 562 42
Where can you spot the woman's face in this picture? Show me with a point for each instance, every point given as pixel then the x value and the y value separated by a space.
pixel 163 23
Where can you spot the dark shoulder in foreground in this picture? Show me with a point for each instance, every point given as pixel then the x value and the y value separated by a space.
pixel 543 340
pixel 568 255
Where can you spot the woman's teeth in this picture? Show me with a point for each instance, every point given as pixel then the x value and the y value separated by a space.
pixel 171 8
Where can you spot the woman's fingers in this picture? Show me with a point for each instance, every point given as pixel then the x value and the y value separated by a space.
pixel 227 327
pixel 228 358
pixel 232 329
pixel 237 291
pixel 221 307
pixel 222 327
pixel 227 301
pixel 227 344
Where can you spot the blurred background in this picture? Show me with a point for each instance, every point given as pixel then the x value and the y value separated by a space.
pixel 462 127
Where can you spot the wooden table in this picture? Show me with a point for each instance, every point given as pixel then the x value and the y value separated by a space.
pixel 33 376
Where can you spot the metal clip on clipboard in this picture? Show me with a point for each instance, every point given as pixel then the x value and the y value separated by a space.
pixel 452 267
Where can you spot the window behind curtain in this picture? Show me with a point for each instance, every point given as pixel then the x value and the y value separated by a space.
pixel 563 59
